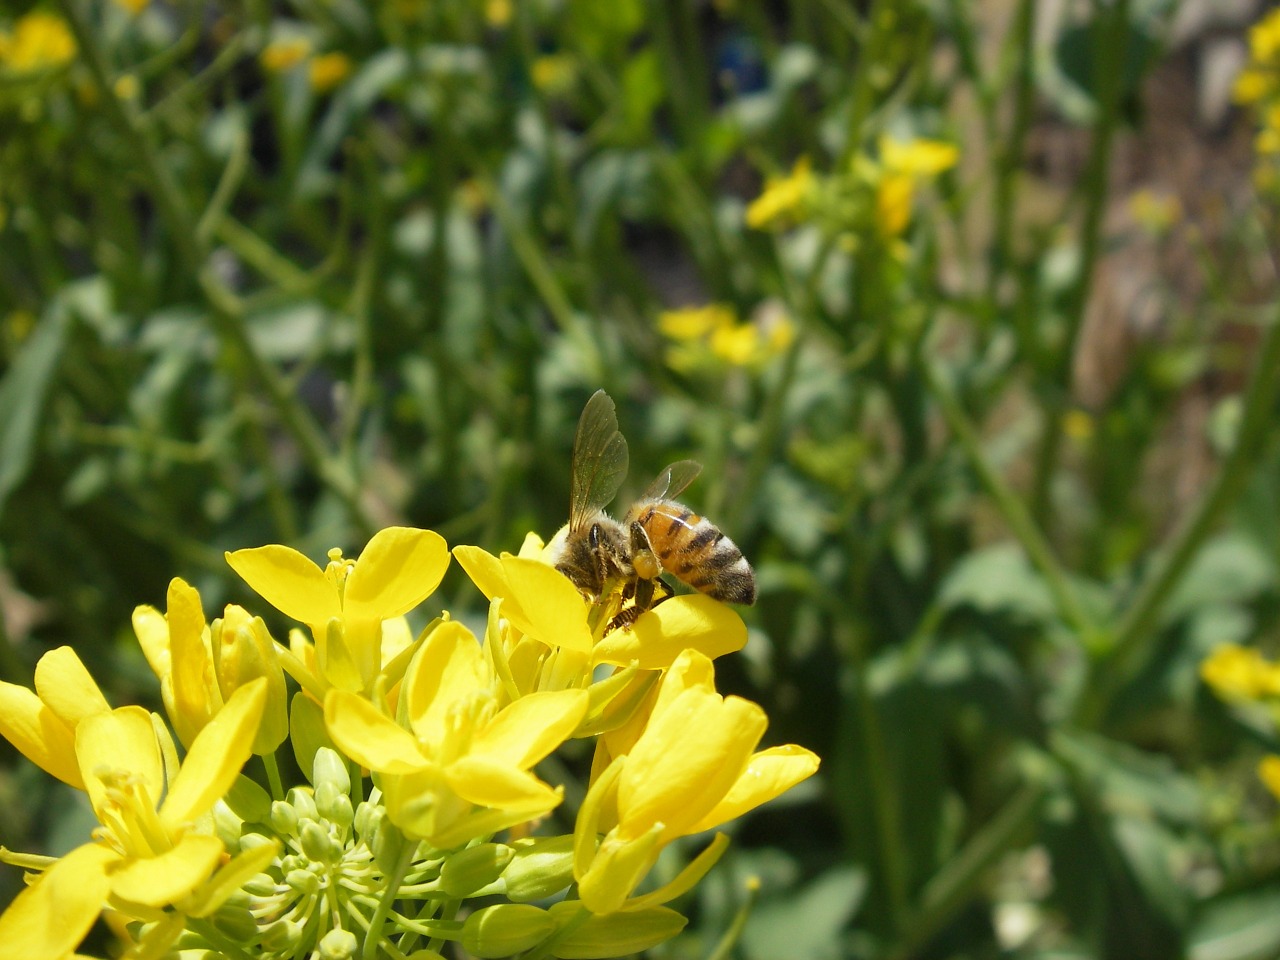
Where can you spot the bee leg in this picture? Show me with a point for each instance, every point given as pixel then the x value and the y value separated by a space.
pixel 667 592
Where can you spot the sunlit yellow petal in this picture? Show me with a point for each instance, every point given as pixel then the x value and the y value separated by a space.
pixel 448 666
pixel 231 878
pixel 500 785
pixel 368 736
pixel 153 636
pixel 160 881
pixel 120 742
pixel 689 622
pixel 532 547
pixel 288 581
pixel 529 729
pixel 50 918
pixel 65 685
pixel 397 570
pixel 196 697
pixel 38 733
pixel 675 779
pixel 769 774
pixel 486 572
pixel 616 869
pixel 686 879
pixel 216 756
pixel 554 609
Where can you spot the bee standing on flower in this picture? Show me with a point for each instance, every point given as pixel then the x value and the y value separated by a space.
pixel 601 555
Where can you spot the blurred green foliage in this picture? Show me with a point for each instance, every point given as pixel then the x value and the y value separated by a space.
pixel 290 273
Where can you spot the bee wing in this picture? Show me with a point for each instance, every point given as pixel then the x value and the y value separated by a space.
pixel 599 460
pixel 672 480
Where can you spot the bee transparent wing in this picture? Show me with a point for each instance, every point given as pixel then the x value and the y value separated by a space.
pixel 672 480
pixel 599 460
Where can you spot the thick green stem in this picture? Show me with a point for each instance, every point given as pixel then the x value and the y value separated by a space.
pixel 1138 633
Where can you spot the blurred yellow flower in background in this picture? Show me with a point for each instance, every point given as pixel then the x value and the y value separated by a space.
pixel 1240 673
pixel 1269 773
pixel 328 70
pixel 285 54
pixel 713 335
pixel 553 73
pixel 39 41
pixel 784 200
pixel 904 164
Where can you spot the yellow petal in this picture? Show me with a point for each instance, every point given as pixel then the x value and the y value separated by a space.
pixel 231 878
pixel 487 573
pixel 368 736
pixel 51 917
pixel 288 581
pixel 500 785
pixel 397 570
pixel 216 756
pixel 769 774
pixel 153 636
pixel 692 621
pixel 196 697
pixel 617 868
pixel 686 879
pixel 675 778
pixel 531 547
pixel 160 881
pixel 38 733
pixel 530 728
pixel 66 686
pixel 447 667
pixel 122 741
pixel 553 608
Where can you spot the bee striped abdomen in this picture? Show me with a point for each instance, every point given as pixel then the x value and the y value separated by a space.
pixel 697 551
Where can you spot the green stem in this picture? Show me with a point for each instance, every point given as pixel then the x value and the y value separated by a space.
pixel 373 935
pixel 724 948
pixel 954 885
pixel 273 776
pixel 1011 509
pixel 1110 41
pixel 1137 633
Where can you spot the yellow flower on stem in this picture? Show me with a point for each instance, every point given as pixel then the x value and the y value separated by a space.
pixel 1240 673
pixel 459 766
pixel 40 41
pixel 284 54
pixel 155 848
pixel 784 200
pixel 904 164
pixel 346 604
pixel 693 767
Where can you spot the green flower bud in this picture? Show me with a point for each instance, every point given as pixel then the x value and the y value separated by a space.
pixel 306 732
pixel 329 800
pixel 282 938
pixel 368 815
pixel 465 872
pixel 251 841
pixel 284 819
pixel 260 885
pixel 540 868
pixel 613 934
pixel 243 651
pixel 302 801
pixel 506 928
pixel 338 944
pixel 236 922
pixel 303 881
pixel 330 768
pixel 315 842
pixel 388 841
pixel 227 826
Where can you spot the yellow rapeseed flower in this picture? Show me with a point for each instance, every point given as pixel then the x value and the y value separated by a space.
pixel 1269 773
pixel 328 70
pixel 347 603
pixel 553 73
pixel 784 200
pixel 285 54
pixel 693 767
pixel 497 13
pixel 1240 673
pixel 39 41
pixel 903 166
pixel 695 323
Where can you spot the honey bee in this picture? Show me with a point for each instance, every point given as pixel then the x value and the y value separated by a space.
pixel 657 534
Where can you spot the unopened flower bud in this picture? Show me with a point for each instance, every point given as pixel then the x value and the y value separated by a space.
pixel 303 881
pixel 236 922
pixel 315 842
pixel 368 815
pixel 284 818
pixel 388 841
pixel 260 885
pixel 540 868
pixel 282 938
pixel 243 651
pixel 302 801
pixel 329 768
pixel 613 934
pixel 338 944
pixel 505 929
pixel 465 872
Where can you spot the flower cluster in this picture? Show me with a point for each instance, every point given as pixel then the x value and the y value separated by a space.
pixel 871 201
pixel 1241 675
pixel 421 816
pixel 712 337
pixel 1258 87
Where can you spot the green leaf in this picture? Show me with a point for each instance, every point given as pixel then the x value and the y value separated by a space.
pixel 998 579
pixel 807 923
pixel 1242 926
pixel 23 393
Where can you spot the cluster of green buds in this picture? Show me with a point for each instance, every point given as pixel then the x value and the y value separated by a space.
pixel 418 818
